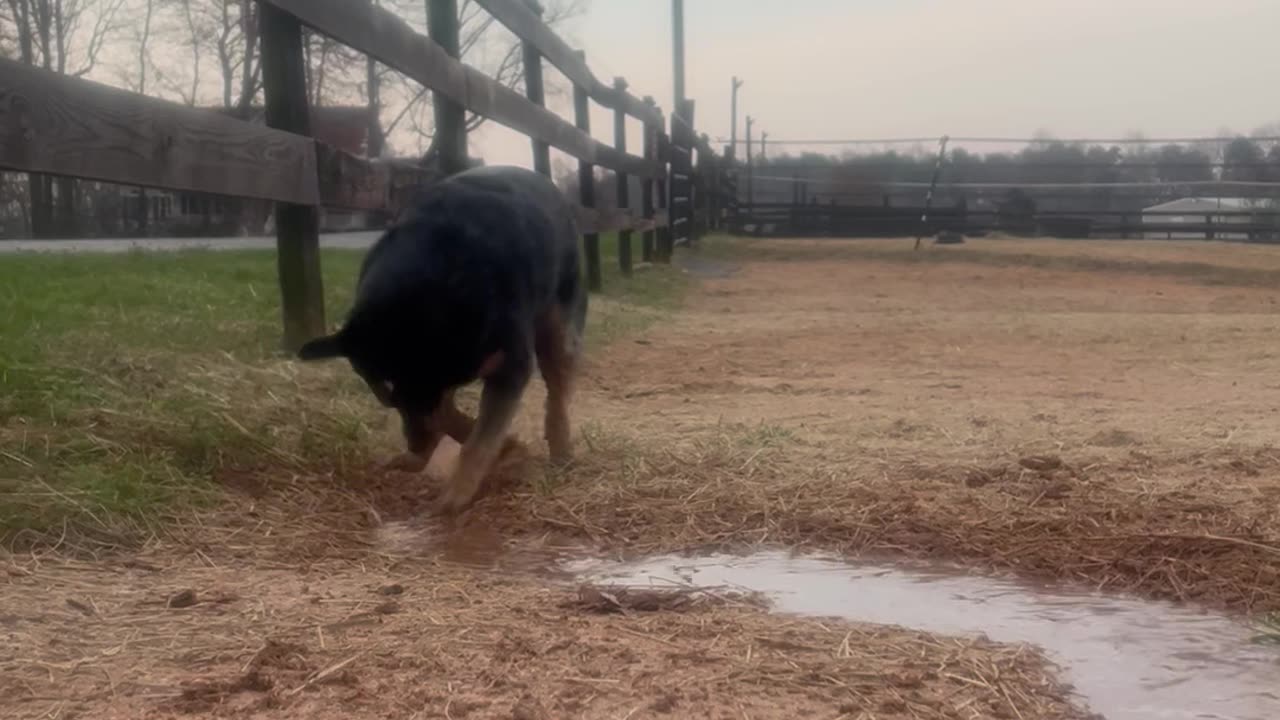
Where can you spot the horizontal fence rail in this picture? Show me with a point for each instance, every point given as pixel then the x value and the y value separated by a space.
pixel 521 20
pixel 61 125
pixel 382 35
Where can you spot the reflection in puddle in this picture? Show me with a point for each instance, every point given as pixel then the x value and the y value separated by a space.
pixel 1130 659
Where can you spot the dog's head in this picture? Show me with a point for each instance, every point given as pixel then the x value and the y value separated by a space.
pixel 337 345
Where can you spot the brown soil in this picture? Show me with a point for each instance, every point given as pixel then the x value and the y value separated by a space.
pixel 391 633
pixel 1111 426
pixel 1104 424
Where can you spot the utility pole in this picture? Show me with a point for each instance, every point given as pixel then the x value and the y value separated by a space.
pixel 751 185
pixel 733 120
pixel 677 49
pixel 764 147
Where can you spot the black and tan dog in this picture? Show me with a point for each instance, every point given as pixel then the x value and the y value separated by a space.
pixel 477 281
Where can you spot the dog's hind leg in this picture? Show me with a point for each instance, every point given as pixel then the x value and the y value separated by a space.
pixel 558 359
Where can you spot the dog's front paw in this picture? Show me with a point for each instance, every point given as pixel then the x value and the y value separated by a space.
pixel 406 462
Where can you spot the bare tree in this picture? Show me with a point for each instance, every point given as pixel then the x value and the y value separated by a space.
pixel 221 33
pixel 483 43
pixel 68 37
pixel 179 30
pixel 206 52
pixel 140 87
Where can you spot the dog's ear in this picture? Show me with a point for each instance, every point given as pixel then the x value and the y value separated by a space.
pixel 322 348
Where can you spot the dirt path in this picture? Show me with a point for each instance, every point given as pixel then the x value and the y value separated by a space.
pixel 1106 427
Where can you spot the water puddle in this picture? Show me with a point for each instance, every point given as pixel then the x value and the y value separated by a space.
pixel 705 267
pixel 1129 659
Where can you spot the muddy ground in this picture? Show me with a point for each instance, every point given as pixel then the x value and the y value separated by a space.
pixel 1098 414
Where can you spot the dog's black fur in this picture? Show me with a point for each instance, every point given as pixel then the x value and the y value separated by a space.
pixel 481 275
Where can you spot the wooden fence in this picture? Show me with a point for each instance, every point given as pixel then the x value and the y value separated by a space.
pixel 59 125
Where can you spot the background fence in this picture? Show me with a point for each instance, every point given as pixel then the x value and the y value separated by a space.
pixel 59 125
pixel 1211 188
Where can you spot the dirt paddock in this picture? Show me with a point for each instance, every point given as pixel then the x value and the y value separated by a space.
pixel 1100 414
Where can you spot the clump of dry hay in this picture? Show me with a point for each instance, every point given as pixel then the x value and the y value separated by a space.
pixel 1163 527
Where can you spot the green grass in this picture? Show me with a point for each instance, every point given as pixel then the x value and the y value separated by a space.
pixel 626 306
pixel 132 384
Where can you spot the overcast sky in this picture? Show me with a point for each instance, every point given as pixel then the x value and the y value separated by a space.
pixel 885 68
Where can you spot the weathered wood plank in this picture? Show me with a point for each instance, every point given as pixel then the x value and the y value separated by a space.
pixel 61 125
pixel 379 33
pixel 524 22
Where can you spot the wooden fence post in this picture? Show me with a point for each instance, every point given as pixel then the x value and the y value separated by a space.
pixel 450 117
pixel 533 89
pixel 704 186
pixel 729 180
pixel 682 214
pixel 712 183
pixel 701 189
pixel 587 185
pixel 647 185
pixel 662 253
pixel 797 199
pixel 751 173
pixel 284 86
pixel 623 181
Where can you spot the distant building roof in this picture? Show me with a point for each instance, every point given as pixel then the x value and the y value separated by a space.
pixel 1198 204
